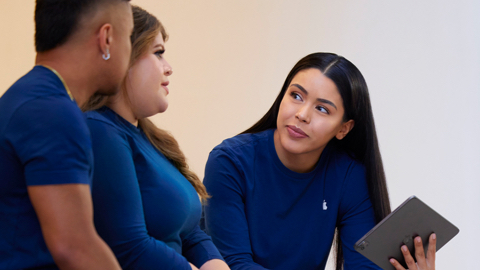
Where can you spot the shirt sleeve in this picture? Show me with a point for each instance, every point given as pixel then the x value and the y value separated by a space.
pixel 52 142
pixel 225 218
pixel 118 208
pixel 198 247
pixel 356 217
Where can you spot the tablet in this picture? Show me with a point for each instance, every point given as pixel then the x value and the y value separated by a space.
pixel 411 219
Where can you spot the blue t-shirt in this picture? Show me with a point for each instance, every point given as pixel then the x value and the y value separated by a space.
pixel 145 209
pixel 44 140
pixel 264 216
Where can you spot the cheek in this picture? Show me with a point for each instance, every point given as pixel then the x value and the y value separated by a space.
pixel 285 111
pixel 144 76
pixel 326 127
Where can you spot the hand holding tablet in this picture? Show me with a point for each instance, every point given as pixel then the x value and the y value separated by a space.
pixel 410 235
pixel 423 261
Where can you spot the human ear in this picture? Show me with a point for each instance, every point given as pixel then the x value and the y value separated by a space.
pixel 105 38
pixel 346 127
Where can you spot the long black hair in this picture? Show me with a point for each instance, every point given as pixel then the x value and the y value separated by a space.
pixel 361 142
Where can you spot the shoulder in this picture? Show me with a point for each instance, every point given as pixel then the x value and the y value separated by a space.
pixel 40 98
pixel 244 143
pixel 39 82
pixel 104 127
pixel 48 115
pixel 108 130
pixel 344 163
pixel 99 118
pixel 237 154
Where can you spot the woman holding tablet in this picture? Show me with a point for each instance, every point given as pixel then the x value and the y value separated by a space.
pixel 308 170
pixel 145 197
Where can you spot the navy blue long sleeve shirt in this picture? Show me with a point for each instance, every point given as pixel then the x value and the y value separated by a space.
pixel 264 216
pixel 144 208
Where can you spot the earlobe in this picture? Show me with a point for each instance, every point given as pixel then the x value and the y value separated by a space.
pixel 346 127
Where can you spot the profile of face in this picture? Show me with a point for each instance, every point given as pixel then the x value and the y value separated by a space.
pixel 310 114
pixel 147 81
pixel 119 48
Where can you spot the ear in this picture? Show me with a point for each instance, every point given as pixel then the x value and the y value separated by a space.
pixel 105 36
pixel 346 127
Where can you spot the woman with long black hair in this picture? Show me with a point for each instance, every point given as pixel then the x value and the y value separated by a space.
pixel 307 171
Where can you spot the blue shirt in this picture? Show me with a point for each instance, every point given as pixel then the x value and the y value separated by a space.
pixel 145 209
pixel 264 216
pixel 44 140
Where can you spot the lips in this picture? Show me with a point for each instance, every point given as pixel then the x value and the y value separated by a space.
pixel 296 132
pixel 164 85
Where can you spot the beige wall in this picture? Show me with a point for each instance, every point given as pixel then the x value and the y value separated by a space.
pixel 17 50
pixel 421 60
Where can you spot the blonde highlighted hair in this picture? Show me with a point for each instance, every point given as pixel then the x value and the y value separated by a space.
pixel 146 29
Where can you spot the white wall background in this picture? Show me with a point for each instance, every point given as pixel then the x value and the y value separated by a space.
pixel 421 60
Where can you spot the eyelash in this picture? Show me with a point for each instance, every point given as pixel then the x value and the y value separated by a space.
pixel 319 108
pixel 294 95
pixel 159 53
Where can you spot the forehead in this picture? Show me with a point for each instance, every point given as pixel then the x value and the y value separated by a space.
pixel 315 83
pixel 158 39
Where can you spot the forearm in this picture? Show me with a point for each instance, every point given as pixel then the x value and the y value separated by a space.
pixel 88 253
pixel 215 264
pixel 66 220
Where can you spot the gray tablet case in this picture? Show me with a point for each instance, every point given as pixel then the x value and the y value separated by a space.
pixel 412 218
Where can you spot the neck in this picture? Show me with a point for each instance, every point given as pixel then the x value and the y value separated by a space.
pixel 71 67
pixel 300 163
pixel 119 104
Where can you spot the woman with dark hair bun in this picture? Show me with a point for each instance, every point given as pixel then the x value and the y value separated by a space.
pixel 308 172
pixel 146 199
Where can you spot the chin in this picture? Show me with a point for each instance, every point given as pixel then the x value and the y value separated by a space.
pixel 292 147
pixel 163 108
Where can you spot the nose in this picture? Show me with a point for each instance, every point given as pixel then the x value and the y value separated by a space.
pixel 303 114
pixel 168 69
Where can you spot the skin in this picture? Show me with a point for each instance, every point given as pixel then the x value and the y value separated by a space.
pixel 79 61
pixel 65 211
pixel 424 262
pixel 147 89
pixel 312 104
pixel 146 85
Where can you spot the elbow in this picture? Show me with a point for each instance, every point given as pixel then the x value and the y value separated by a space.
pixel 68 252
pixel 65 255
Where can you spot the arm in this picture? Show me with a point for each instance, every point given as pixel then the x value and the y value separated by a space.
pixel 119 215
pixel 198 248
pixel 225 218
pixel 53 144
pixel 66 218
pixel 356 217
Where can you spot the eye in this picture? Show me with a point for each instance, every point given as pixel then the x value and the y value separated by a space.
pixel 296 96
pixel 322 109
pixel 159 53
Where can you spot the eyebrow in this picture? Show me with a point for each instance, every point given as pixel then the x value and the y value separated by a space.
pixel 326 101
pixel 159 46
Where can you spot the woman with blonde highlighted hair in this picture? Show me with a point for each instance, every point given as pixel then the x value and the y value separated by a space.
pixel 146 199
